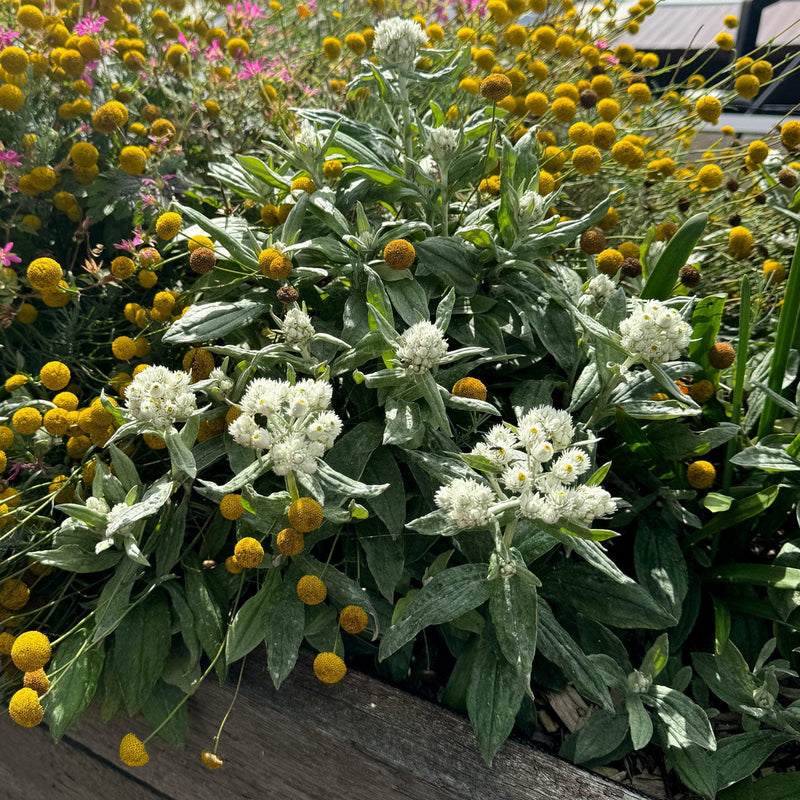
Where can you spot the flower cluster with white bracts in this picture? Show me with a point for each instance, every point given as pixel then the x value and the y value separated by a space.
pixel 536 463
pixel 397 40
pixel 160 397
pixel 654 333
pixel 421 347
pixel 293 424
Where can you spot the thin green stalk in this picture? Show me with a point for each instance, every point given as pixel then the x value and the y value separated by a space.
pixel 784 337
pixel 443 178
pixel 738 379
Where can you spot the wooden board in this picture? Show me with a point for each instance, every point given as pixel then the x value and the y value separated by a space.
pixel 359 740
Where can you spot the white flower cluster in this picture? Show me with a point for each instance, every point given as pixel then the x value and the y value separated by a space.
pixel 297 328
pixel 160 397
pixel 397 40
pixel 309 138
pixel 600 288
pixel 542 439
pixel 467 502
pixel 421 347
pixel 443 143
pixel 293 422
pixel 654 333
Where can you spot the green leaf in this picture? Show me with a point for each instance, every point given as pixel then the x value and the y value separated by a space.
pixel 512 607
pixel 706 319
pixel 661 566
pixel 743 509
pixel 385 559
pixel 778 786
pixel 78 665
pixel 114 600
pixel 337 483
pixel 684 721
pixel 249 626
pixel 641 726
pixel 695 768
pixel 740 755
pixel 403 424
pixel 204 322
pixel 352 451
pixel 170 535
pixel 180 455
pixel 389 506
pixel 159 705
pixel 774 576
pixel 556 645
pixel 601 734
pixel 655 659
pixel 766 458
pixel 727 675
pixel 448 595
pixel 662 279
pixel 73 558
pixel 285 630
pixel 494 695
pixel 124 468
pixel 141 645
pixel 207 614
pixel 451 261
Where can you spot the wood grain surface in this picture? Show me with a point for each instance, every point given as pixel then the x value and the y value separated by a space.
pixel 357 740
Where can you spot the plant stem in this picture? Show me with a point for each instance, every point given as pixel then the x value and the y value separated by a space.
pixel 445 199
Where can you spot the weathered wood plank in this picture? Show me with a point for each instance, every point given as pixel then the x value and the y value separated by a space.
pixel 360 739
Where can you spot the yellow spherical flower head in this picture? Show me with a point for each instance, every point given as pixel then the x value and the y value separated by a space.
pixel 311 590
pixel 609 261
pixel 470 388
pixel 724 41
pixel 356 42
pixel 329 668
pixel 757 151
pixel 6 643
pixel 353 619
pixel 30 651
pixel 730 21
pixel 303 184
pixel 199 363
pixel 15 382
pixel 132 751
pixel 55 375
pixel 25 708
pixel 773 271
pixel 790 134
pixel 708 108
pixel 269 215
pixel 702 391
pixel 168 225
pixel 305 514
pixel 14 60
pixel 231 507
pixel 14 594
pixel 604 135
pixel 701 474
pixel 332 169
pixel 233 566
pixel 123 348
pixel 44 274
pixel 587 159
pixel 57 421
pixel 563 109
pixel 332 47
pixel 27 314
pixel 6 437
pixel 199 240
pixel 495 87
pixel 399 254
pixel 747 86
pixel 122 267
pixel 12 99
pixel 210 760
pixel 3 461
pixel 37 681
pixel 290 542
pixel 710 176
pixel 147 280
pixel 109 117
pixel 27 421
pixel 740 242
pixel 133 160
pixel 248 551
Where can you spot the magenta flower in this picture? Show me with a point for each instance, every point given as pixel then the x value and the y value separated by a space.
pixel 214 51
pixel 601 44
pixel 131 244
pixel 251 68
pixel 7 37
pixel 89 25
pixel 7 258
pixel 9 158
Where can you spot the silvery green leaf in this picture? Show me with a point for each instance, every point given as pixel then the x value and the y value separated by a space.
pixel 341 484
pixel 445 310
pixel 403 424
pixel 463 352
pixel 237 482
pixel 383 377
pixel 152 500
pixel 383 325
pixel 133 552
pixel 205 321
pixel 436 523
pixel 92 518
pixel 124 468
pixel 469 404
pixel 180 455
pixel 685 722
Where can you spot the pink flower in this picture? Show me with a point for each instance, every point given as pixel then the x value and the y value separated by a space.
pixel 89 25
pixel 9 157
pixel 7 258
pixel 7 37
pixel 601 44
pixel 214 51
pixel 131 244
pixel 251 68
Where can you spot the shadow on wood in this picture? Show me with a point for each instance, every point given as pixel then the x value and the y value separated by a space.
pixel 359 740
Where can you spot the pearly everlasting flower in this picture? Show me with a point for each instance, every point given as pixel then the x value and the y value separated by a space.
pixel 517 478
pixel 467 502
pixel 655 333
pixel 308 137
pixel 248 433
pixel 600 288
pixel 219 382
pixel 160 397
pixel 97 504
pixel 324 429
pixel 443 143
pixel 421 347
pixel 396 41
pixel 317 394
pixel 297 328
pixel 594 502
pixel 570 465
pixel 264 396
pixel 295 453
pixel 498 447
